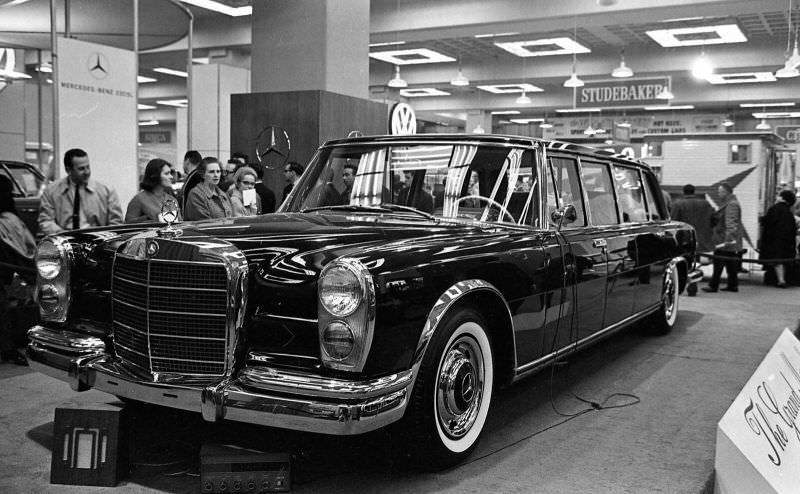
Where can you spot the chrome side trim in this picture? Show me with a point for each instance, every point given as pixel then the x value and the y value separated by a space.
pixel 531 367
pixel 440 309
pixel 286 318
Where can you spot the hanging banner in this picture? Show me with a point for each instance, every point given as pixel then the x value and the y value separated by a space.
pixel 573 127
pixel 97 111
pixel 619 93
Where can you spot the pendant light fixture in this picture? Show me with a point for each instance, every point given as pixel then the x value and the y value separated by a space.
pixel 666 91
pixel 727 122
pixel 545 124
pixel 763 125
pixel 524 99
pixel 574 81
pixel 397 81
pixel 790 67
pixel 702 68
pixel 623 70
pixel 459 79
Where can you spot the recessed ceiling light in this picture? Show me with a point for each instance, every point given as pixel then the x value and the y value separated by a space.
pixel 777 114
pixel 543 47
pixel 165 70
pixel 496 35
pixel 506 112
pixel 765 105
pixel 387 43
pixel 669 107
pixel 201 60
pixel 142 106
pixel 179 103
pixel 524 121
pixel 741 78
pixel 221 8
pixel 511 88
pixel 578 110
pixel 142 79
pixel 693 36
pixel 422 91
pixel 144 123
pixel 409 57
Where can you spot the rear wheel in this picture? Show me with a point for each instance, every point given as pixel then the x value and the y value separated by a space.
pixel 452 394
pixel 663 320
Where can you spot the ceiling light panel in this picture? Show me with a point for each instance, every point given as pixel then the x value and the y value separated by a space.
pixel 669 107
pixel 221 7
pixel 411 57
pixel 179 103
pixel 741 78
pixel 578 110
pixel 142 106
pixel 496 35
pixel 543 47
pixel 143 79
pixel 422 91
pixel 524 121
pixel 765 105
pixel 777 114
pixel 168 71
pixel 506 112
pixel 693 36
pixel 387 43
pixel 511 88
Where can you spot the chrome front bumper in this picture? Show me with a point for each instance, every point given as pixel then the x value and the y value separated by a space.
pixel 258 395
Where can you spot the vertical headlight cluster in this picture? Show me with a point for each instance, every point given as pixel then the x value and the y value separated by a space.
pixel 346 314
pixel 53 262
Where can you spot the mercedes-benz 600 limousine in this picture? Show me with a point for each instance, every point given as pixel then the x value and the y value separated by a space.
pixel 403 280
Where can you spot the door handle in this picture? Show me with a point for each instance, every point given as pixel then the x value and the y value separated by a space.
pixel 599 242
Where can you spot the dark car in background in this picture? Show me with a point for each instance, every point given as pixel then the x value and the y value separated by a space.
pixel 402 281
pixel 28 183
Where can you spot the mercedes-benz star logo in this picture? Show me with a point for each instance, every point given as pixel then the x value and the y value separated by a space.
pixel 98 65
pixel 403 121
pixel 467 388
pixel 272 147
pixel 152 249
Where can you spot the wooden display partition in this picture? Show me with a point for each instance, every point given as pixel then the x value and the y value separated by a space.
pixel 309 117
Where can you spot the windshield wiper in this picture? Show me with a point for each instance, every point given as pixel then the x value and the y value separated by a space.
pixel 385 208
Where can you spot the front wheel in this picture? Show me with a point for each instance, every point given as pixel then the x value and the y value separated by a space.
pixel 452 394
pixel 662 321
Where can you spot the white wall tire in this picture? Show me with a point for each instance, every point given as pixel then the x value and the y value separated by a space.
pixel 452 394
pixel 663 320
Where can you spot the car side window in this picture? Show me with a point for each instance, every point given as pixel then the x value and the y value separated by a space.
pixel 567 187
pixel 630 194
pixel 600 193
pixel 652 192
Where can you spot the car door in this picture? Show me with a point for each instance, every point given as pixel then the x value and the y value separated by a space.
pixel 27 186
pixel 584 255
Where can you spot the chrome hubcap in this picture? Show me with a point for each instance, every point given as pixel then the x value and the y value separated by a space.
pixel 459 388
pixel 669 296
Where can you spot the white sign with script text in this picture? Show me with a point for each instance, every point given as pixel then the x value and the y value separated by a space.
pixel 758 438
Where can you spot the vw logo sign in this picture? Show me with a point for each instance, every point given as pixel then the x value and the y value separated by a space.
pixel 403 121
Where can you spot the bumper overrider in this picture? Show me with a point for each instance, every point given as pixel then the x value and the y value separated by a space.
pixel 257 395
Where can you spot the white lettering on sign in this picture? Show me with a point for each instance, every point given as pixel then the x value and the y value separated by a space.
pixel 762 426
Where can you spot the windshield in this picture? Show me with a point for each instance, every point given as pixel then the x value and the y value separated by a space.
pixel 473 182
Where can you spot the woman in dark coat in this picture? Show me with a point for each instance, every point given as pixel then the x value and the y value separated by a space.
pixel 778 234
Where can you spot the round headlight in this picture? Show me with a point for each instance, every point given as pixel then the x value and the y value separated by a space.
pixel 340 290
pixel 48 260
pixel 338 340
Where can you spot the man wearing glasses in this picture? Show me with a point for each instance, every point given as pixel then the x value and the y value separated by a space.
pixel 291 172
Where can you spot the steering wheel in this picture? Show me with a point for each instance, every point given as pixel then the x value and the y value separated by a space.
pixel 491 202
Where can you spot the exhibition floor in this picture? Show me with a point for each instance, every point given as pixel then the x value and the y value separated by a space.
pixel 663 443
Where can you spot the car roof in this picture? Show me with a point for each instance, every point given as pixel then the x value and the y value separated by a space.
pixel 496 139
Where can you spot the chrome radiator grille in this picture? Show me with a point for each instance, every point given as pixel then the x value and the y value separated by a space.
pixel 170 316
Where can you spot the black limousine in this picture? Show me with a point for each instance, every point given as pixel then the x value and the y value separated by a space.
pixel 403 280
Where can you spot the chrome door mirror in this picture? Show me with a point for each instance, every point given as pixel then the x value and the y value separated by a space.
pixel 564 215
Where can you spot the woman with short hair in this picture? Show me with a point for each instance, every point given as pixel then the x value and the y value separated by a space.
pixel 245 203
pixel 156 188
pixel 778 237
pixel 206 200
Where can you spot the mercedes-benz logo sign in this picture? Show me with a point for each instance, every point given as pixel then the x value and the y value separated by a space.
pixel 467 388
pixel 272 147
pixel 403 121
pixel 98 65
pixel 169 215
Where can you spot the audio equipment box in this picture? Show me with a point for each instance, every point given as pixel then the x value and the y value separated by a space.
pixel 225 468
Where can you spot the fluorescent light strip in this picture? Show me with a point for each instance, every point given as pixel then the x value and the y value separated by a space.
pixel 179 103
pixel 143 79
pixel 221 8
pixel 496 35
pixel 741 78
pixel 764 105
pixel 387 43
pixel 578 110
pixel 777 114
pixel 726 33
pixel 668 107
pixel 142 106
pixel 511 88
pixel 506 112
pixel 400 57
pixel 202 60
pixel 144 123
pixel 423 91
pixel 164 70
pixel 524 121
pixel 566 46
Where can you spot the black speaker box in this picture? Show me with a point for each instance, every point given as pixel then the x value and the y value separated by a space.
pixel 89 446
